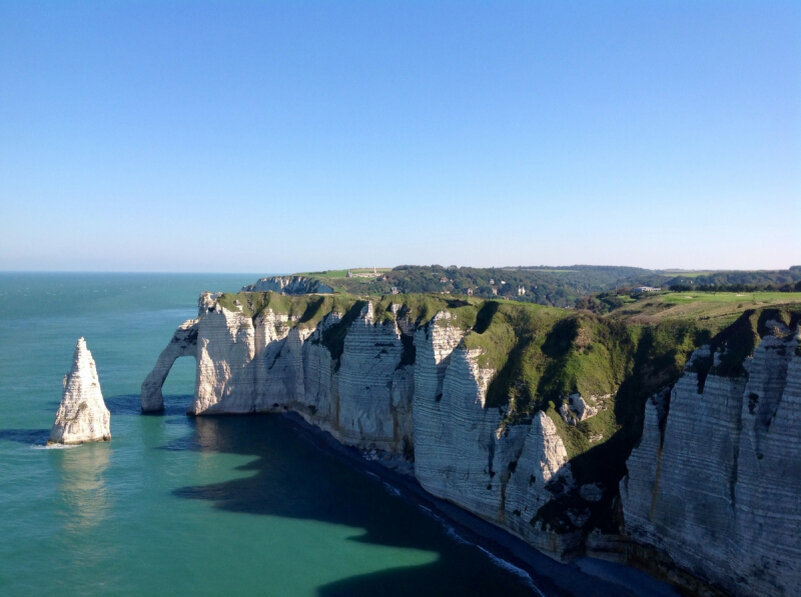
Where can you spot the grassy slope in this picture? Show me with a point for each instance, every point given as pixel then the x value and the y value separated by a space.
pixel 718 308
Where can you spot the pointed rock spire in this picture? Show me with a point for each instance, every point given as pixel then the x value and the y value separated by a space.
pixel 82 415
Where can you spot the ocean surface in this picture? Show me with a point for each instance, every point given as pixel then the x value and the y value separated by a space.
pixel 179 505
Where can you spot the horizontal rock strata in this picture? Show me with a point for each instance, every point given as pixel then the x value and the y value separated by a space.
pixel 716 479
pixel 82 415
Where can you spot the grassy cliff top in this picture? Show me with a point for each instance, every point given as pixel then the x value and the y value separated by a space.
pixel 711 310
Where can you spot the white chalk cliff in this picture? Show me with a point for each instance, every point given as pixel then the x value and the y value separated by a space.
pixel 397 386
pixel 289 285
pixel 82 415
pixel 713 484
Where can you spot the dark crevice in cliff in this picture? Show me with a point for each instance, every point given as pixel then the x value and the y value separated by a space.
pixel 333 337
pixel 409 351
pixel 736 343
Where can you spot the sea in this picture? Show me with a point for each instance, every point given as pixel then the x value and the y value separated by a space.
pixel 178 505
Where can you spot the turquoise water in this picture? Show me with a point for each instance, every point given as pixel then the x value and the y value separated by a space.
pixel 175 505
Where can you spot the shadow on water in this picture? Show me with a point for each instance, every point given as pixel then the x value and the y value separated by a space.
pixel 294 478
pixel 26 436
pixel 123 404
pixel 130 404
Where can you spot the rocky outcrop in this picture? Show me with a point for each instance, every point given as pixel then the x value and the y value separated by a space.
pixel 576 409
pixel 464 453
pixel 82 415
pixel 716 478
pixel 289 285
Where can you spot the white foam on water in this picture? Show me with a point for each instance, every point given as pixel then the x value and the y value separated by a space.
pixel 431 514
pixel 509 567
pixel 451 532
pixel 53 446
pixel 501 563
pixel 392 490
pixel 373 475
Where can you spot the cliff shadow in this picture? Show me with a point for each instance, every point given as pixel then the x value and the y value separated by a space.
pixel 26 436
pixel 295 476
pixel 130 404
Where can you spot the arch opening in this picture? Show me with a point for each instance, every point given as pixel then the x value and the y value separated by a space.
pixel 182 344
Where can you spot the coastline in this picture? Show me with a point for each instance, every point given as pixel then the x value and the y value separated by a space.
pixel 587 575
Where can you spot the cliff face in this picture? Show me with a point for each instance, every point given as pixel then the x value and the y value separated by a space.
pixel 463 452
pixel 289 285
pixel 712 483
pixel 716 478
pixel 82 415
pixel 388 383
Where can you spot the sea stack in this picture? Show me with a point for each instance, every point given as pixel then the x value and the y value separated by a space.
pixel 82 415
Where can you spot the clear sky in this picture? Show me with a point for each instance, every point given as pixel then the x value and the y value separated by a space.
pixel 289 136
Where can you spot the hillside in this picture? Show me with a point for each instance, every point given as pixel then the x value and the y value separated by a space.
pixel 555 286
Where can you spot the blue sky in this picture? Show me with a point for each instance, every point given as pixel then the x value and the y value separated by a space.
pixel 286 136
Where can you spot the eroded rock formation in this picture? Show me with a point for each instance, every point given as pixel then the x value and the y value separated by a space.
pixel 716 480
pixel 289 285
pixel 82 415
pixel 183 343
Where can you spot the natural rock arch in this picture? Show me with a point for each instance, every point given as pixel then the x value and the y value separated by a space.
pixel 183 344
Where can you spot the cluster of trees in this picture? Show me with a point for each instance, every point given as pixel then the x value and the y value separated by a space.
pixel 786 287
pixel 559 287
pixel 739 280
pixel 582 286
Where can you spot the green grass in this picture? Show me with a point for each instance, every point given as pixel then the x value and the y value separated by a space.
pixel 331 273
pixel 343 273
pixel 713 311
pixel 761 298
pixel 305 310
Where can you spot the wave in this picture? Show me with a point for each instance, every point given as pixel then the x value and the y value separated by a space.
pixel 509 567
pixel 53 446
pixel 500 562
pixel 451 532
pixel 392 490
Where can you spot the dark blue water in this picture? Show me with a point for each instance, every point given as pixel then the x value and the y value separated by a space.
pixel 175 505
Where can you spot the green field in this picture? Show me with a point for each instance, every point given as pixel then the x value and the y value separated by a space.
pixel 343 273
pixel 759 298
pixel 715 309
